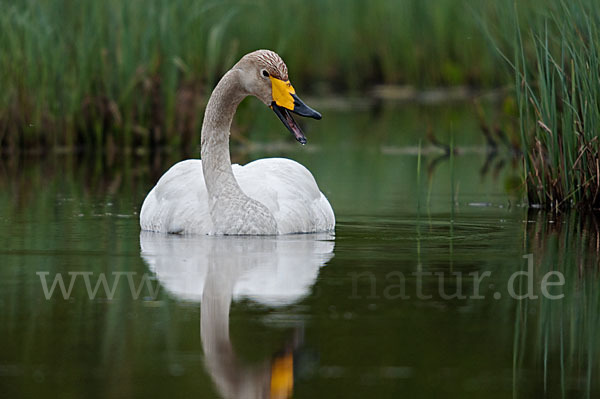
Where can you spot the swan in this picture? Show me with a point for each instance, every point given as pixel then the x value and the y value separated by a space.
pixel 265 197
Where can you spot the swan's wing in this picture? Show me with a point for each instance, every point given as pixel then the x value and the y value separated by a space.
pixel 179 202
pixel 290 192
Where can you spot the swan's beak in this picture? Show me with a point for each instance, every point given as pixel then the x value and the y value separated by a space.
pixel 286 100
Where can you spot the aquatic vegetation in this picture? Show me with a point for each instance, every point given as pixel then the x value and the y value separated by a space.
pixel 136 73
pixel 557 64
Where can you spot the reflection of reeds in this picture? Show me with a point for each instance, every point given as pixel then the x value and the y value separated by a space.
pixel 136 73
pixel 561 335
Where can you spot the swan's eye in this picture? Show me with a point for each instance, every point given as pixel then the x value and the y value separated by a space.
pixel 265 73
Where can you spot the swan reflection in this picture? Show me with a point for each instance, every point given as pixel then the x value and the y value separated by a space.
pixel 273 271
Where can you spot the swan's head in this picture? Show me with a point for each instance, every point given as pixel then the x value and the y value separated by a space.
pixel 265 76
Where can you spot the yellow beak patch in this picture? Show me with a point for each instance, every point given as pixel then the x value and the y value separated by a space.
pixel 282 93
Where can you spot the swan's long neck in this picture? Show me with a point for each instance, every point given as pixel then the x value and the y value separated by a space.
pixel 231 211
pixel 216 162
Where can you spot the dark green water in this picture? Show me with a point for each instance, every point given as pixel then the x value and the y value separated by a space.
pixel 367 312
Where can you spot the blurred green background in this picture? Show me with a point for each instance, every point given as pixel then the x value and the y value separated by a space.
pixel 137 73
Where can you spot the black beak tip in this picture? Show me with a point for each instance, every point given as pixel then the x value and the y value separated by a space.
pixel 304 110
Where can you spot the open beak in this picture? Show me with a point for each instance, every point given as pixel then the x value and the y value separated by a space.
pixel 286 100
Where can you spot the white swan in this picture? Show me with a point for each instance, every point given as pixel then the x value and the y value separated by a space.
pixel 265 197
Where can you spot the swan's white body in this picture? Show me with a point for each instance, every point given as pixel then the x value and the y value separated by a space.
pixel 179 201
pixel 264 197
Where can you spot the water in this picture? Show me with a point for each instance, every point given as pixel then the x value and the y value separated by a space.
pixel 389 306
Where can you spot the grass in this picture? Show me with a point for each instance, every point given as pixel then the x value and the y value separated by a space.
pixel 136 73
pixel 557 65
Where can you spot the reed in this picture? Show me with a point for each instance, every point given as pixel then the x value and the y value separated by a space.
pixel 557 65
pixel 136 73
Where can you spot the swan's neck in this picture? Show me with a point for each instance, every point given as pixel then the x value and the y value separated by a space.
pixel 216 162
pixel 231 211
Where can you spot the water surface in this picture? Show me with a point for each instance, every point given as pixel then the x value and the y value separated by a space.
pixel 385 307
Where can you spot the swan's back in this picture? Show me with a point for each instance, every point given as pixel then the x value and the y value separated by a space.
pixel 179 201
pixel 289 191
